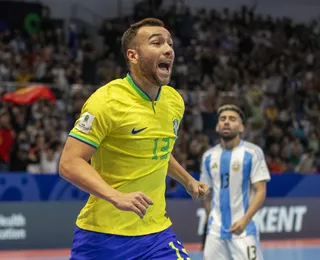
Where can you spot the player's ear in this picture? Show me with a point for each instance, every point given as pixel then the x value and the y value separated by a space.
pixel 241 129
pixel 132 56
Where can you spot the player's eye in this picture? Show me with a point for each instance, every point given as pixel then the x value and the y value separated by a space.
pixel 156 43
pixel 170 44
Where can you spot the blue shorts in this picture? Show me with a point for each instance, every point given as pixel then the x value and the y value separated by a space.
pixel 89 245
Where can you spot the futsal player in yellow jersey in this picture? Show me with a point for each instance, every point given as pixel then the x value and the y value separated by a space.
pixel 127 129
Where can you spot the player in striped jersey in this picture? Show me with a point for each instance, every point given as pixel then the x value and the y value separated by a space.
pixel 237 173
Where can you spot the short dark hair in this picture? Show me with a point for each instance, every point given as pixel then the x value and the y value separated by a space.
pixel 128 36
pixel 232 108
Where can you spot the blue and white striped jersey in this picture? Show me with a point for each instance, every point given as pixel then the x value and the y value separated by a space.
pixel 231 174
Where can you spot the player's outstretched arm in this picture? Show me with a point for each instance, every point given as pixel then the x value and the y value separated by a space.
pixel 195 188
pixel 75 168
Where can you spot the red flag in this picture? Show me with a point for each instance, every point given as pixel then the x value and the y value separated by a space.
pixel 6 141
pixel 29 95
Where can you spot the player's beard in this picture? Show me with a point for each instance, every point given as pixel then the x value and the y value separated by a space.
pixel 149 70
pixel 228 137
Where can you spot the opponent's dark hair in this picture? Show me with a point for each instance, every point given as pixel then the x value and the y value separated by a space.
pixel 231 107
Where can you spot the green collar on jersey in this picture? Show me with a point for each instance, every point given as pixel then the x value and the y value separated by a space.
pixel 139 90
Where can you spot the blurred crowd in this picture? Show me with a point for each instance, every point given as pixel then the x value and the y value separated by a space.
pixel 269 67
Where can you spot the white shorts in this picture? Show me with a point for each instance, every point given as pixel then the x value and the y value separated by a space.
pixel 244 248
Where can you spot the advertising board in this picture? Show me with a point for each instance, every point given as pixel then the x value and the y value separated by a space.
pixel 51 224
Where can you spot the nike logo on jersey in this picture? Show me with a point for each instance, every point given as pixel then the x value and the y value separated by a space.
pixel 134 131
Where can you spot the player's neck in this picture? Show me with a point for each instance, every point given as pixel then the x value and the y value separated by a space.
pixel 230 144
pixel 148 87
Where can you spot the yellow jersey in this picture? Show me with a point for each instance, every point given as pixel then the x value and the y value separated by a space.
pixel 134 137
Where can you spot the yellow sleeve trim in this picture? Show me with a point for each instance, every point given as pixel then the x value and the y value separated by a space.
pixel 84 140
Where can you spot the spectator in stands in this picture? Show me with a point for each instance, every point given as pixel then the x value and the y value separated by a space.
pixel 49 160
pixel 306 163
pixel 35 153
pixel 19 153
pixel 89 65
pixel 6 140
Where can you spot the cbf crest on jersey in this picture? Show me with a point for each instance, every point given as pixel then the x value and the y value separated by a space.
pixel 175 126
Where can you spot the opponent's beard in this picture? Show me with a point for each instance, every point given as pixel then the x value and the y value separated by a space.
pixel 228 138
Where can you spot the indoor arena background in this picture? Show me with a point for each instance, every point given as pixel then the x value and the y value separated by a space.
pixel 262 54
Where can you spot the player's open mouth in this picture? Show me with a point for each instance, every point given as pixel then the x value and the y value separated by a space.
pixel 165 66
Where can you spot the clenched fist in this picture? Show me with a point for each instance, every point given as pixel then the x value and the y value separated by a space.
pixel 136 202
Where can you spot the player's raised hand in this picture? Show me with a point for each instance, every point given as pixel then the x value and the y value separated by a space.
pixel 136 202
pixel 197 190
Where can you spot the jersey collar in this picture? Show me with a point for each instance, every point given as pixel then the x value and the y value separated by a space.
pixel 139 90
